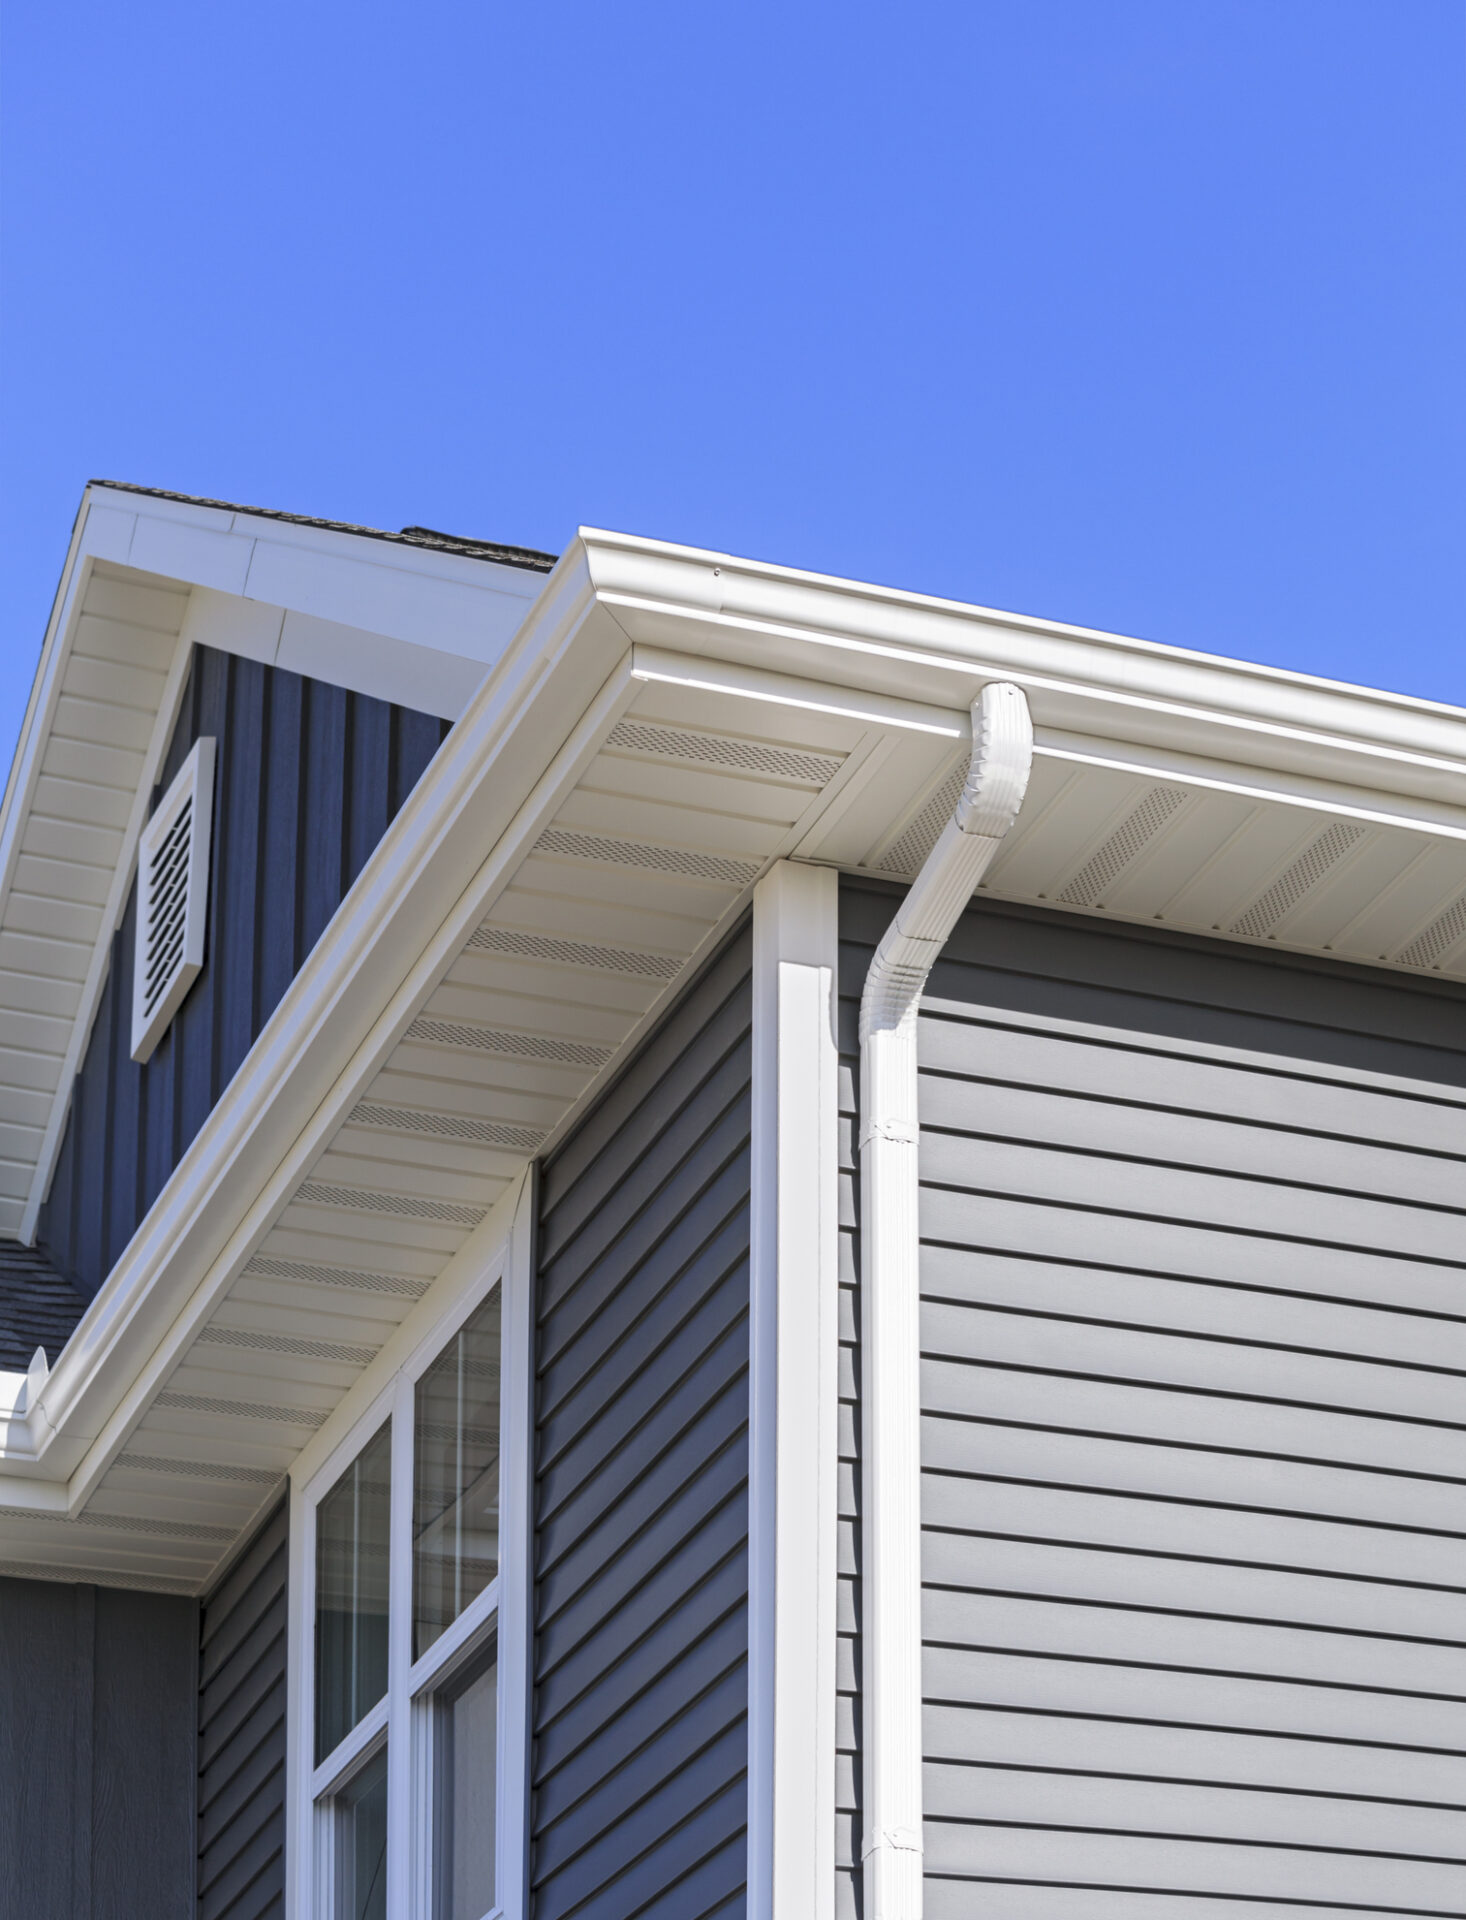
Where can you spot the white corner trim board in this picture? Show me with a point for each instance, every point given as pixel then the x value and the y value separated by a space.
pixel 793 1396
pixel 1002 755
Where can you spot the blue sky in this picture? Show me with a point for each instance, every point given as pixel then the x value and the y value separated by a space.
pixel 1148 314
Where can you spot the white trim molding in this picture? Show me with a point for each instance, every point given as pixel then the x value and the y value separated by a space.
pixel 890 1336
pixel 794 1389
pixel 499 1254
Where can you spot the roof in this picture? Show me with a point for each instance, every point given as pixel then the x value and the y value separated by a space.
pixel 508 556
pixel 38 1307
pixel 654 727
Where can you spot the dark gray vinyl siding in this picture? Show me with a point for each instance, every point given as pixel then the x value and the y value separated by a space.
pixel 96 1752
pixel 307 778
pixel 241 1734
pixel 641 1481
pixel 1194 1429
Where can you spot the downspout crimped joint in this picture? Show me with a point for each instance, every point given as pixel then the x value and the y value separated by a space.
pixel 997 779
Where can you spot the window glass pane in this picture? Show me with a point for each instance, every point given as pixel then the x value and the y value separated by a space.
pixel 455 1506
pixel 351 1593
pixel 464 1791
pixel 360 1818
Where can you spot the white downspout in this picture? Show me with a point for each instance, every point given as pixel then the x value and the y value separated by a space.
pixel 1002 753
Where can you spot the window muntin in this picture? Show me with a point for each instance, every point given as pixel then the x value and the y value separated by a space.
pixel 464 1764
pixel 455 1509
pixel 353 1536
pixel 358 1818
pixel 404 1694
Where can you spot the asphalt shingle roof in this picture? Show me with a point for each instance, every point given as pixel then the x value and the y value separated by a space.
pixel 38 1308
pixel 528 557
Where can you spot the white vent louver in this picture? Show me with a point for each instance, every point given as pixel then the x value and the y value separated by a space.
pixel 172 899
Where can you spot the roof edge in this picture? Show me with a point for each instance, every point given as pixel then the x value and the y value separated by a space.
pixel 529 558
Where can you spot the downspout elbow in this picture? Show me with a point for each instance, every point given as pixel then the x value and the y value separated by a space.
pixel 997 780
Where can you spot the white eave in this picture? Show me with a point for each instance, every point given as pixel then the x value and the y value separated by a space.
pixel 661 727
pixel 146 576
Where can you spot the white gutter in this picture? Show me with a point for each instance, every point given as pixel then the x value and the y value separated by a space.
pixel 1002 754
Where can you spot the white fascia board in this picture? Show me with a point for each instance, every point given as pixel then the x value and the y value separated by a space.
pixel 493 785
pixel 1078 680
pixel 446 603
pixel 727 679
pixel 400 671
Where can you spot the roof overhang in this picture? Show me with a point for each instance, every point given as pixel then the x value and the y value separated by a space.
pixel 146 576
pixel 661 727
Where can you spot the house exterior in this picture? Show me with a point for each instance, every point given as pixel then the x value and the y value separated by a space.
pixel 684 1239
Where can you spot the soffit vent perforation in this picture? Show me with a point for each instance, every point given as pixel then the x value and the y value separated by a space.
pixel 172 899
pixel 722 750
pixel 399 1206
pixel 917 838
pixel 1432 943
pixel 127 1523
pixel 447 1126
pixel 681 861
pixel 269 1266
pixel 1278 900
pixel 134 1582
pixel 197 1470
pixel 519 1046
pixel 240 1409
pixel 575 953
pixel 287 1343
pixel 1125 845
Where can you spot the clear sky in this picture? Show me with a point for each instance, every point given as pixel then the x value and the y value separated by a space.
pixel 1147 314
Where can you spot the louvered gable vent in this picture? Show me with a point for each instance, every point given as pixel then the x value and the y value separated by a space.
pixel 172 899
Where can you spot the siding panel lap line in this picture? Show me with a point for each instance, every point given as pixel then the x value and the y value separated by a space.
pixel 640 1751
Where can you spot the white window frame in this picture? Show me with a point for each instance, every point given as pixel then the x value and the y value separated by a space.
pixel 498 1254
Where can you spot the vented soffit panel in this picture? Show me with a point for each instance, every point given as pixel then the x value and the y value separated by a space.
pixel 1156 848
pixel 589 831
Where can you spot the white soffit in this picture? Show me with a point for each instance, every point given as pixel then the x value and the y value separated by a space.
pixel 145 579
pixel 1170 788
pixel 90 748
pixel 587 833
pixel 635 854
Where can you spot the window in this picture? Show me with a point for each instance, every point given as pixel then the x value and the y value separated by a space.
pixel 399 1697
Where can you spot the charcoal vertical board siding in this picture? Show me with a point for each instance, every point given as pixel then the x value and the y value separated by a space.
pixel 307 779
pixel 641 1480
pixel 97 1691
pixel 241 1733
pixel 1194 1427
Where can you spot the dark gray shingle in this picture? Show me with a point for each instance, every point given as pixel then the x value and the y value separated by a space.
pixel 528 557
pixel 38 1308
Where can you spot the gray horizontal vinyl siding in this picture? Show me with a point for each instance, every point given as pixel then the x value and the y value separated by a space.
pixel 241 1734
pixel 641 1482
pixel 1193 1331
